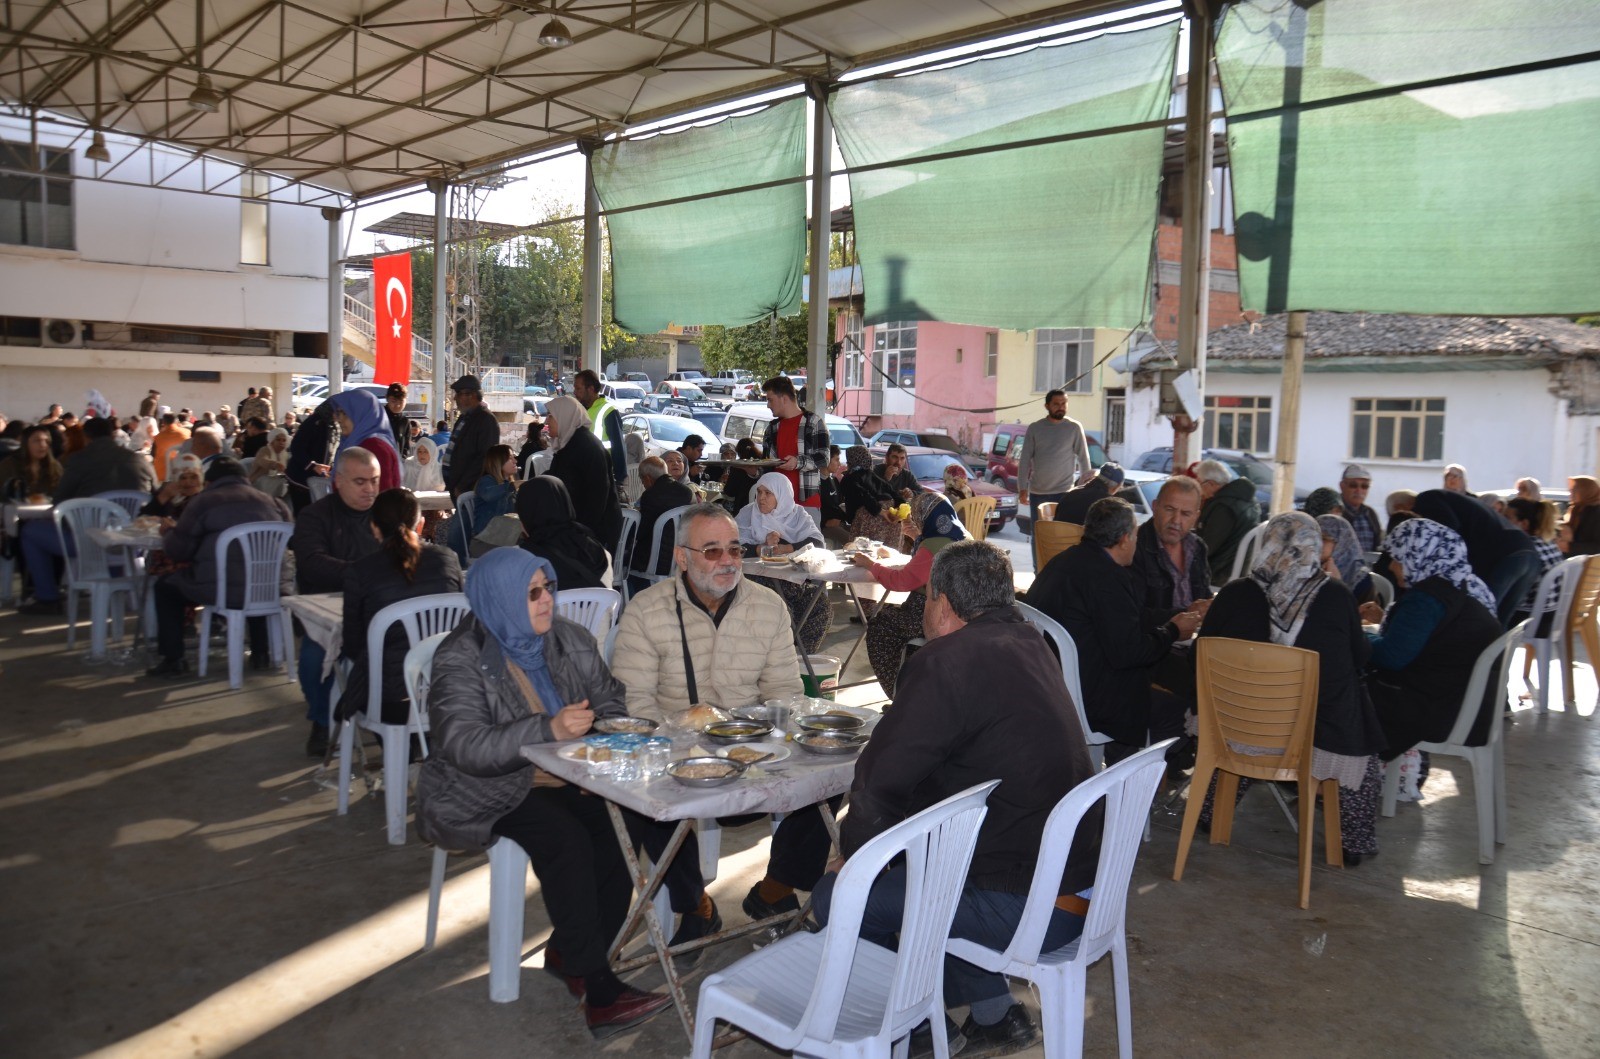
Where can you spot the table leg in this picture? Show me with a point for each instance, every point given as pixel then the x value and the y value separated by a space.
pixel 646 886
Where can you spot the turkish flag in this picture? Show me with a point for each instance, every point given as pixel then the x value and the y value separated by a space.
pixel 391 318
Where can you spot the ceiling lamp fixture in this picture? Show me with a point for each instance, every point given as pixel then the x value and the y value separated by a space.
pixel 555 34
pixel 204 97
pixel 97 151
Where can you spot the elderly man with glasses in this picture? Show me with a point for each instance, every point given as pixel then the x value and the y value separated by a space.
pixel 1353 487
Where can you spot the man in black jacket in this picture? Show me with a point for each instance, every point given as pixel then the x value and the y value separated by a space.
pixel 329 536
pixel 475 432
pixel 983 700
pixel 1089 589
pixel 661 494
pixel 1074 507
pixel 1170 558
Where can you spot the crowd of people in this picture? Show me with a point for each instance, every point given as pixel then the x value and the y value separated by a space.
pixel 981 698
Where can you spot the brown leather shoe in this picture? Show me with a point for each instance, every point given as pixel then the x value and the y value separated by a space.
pixel 630 1008
pixel 553 966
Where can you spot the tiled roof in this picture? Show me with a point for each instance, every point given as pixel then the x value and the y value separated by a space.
pixel 1331 335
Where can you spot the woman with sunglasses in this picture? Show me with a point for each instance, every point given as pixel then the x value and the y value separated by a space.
pixel 510 674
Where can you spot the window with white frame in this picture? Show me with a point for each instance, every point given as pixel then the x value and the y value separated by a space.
pixel 1062 357
pixel 253 189
pixel 1243 423
pixel 855 357
pixel 1397 428
pixel 35 196
pixel 991 354
pixel 895 346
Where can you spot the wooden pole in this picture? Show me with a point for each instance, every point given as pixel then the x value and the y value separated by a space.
pixel 1194 284
pixel 1294 363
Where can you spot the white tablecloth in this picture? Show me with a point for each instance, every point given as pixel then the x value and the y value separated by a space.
pixel 15 512
pixel 432 500
pixel 832 567
pixel 322 614
pixel 125 537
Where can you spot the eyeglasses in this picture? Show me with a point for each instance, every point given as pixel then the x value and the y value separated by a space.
pixel 715 552
pixel 536 592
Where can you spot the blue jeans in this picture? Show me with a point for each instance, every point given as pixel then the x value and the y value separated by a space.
pixel 1035 499
pixel 988 917
pixel 41 547
pixel 318 692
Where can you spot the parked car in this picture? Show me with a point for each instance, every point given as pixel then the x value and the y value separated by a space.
pixel 680 388
pixel 927 466
pixel 535 390
pixel 1006 449
pixel 750 420
pixel 414 409
pixel 536 406
pixel 884 438
pixel 1242 464
pixel 637 378
pixel 624 394
pixel 687 375
pixel 661 433
pixel 734 382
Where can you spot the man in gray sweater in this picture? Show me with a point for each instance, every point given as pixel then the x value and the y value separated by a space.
pixel 1055 456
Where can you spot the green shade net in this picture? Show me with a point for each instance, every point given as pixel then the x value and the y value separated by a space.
pixel 731 259
pixel 1481 197
pixel 1057 235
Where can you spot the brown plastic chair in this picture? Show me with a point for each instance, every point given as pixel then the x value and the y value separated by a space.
pixel 1259 695
pixel 974 514
pixel 1050 539
pixel 1583 617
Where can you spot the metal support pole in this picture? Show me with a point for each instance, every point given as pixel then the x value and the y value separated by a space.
pixel 441 262
pixel 593 269
pixel 1194 291
pixel 1294 365
pixel 817 365
pixel 333 215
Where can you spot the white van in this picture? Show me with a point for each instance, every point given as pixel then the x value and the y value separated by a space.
pixel 750 421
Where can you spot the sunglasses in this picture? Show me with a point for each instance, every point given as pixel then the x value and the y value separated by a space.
pixel 715 552
pixel 536 592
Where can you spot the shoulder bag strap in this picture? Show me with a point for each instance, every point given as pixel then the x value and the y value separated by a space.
pixel 688 663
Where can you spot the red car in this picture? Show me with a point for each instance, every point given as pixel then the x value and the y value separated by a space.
pixel 927 466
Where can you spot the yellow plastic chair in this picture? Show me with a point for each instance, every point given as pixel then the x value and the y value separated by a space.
pixel 1583 617
pixel 1259 695
pixel 974 514
pixel 1050 539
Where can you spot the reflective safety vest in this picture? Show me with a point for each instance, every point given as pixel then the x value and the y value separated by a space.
pixel 598 411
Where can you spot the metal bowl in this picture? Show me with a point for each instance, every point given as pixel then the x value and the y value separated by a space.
pixel 777 716
pixel 830 722
pixel 626 725
pixel 737 731
pixel 831 743
pixel 734 771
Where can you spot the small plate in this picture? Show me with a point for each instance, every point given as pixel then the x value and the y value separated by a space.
pixel 626 726
pixel 835 744
pixel 779 751
pixel 726 732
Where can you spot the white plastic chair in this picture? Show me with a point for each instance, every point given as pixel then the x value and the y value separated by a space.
pixel 1244 556
pixel 319 486
pixel 1557 584
pixel 593 608
pixel 1128 788
pixel 1488 761
pixel 264 544
pixel 1068 651
pixel 130 500
pixel 889 993
pixel 671 518
pixel 1382 591
pixel 624 550
pixel 422 617
pixel 89 568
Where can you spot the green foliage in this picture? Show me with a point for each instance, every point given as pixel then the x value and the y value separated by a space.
pixel 764 348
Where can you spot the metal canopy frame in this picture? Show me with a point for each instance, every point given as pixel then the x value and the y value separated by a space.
pixel 365 98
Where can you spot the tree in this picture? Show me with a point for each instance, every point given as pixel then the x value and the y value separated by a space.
pixel 763 348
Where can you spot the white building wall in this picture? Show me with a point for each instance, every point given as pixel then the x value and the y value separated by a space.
pixel 1500 425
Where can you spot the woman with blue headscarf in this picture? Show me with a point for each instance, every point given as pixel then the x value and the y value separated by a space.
pixel 894 626
pixel 363 421
pixel 510 674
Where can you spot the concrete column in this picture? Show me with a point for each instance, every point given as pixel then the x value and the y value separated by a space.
pixel 1194 291
pixel 335 300
pixel 441 260
pixel 593 270
pixel 817 364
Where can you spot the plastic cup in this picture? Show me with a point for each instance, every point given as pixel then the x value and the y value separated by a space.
pixel 654 758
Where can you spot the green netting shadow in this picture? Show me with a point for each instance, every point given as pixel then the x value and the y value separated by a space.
pixel 1477 198
pixel 732 259
pixel 1057 235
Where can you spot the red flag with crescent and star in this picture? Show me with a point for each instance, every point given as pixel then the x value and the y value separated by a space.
pixel 391 312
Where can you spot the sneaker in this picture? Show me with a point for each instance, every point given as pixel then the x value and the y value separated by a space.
pixel 757 909
pixel 922 1039
pixel 692 928
pixel 629 1009
pixel 1011 1034
pixel 169 667
pixel 317 742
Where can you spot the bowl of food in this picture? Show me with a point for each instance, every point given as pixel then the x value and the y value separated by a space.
pixel 831 721
pixel 625 725
pixel 831 743
pixel 736 731
pixel 705 771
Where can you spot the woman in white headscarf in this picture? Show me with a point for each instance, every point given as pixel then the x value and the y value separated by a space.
pixel 423 472
pixel 1288 599
pixel 271 464
pixel 772 520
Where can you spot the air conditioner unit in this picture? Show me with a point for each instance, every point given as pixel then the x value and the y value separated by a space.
pixel 61 334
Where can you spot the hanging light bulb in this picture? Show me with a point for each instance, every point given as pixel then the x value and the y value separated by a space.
pixel 555 34
pixel 97 148
pixel 204 97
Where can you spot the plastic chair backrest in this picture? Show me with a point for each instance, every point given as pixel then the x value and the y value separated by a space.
pixel 1556 586
pixel 1484 670
pixel 1586 596
pixel 938 844
pixel 593 608
pixel 974 514
pixel 1067 649
pixel 1047 511
pixel 466 510
pixel 418 670
pixel 76 517
pixel 264 545
pixel 610 649
pixel 625 543
pixel 319 486
pixel 130 500
pixel 1128 787
pixel 1382 590
pixel 668 518
pixel 422 617
pixel 1050 539
pixel 1260 695
pixel 1244 557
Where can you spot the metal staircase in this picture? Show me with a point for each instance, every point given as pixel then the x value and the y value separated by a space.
pixel 502 387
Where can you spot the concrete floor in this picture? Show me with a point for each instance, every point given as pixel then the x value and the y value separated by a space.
pixel 175 884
